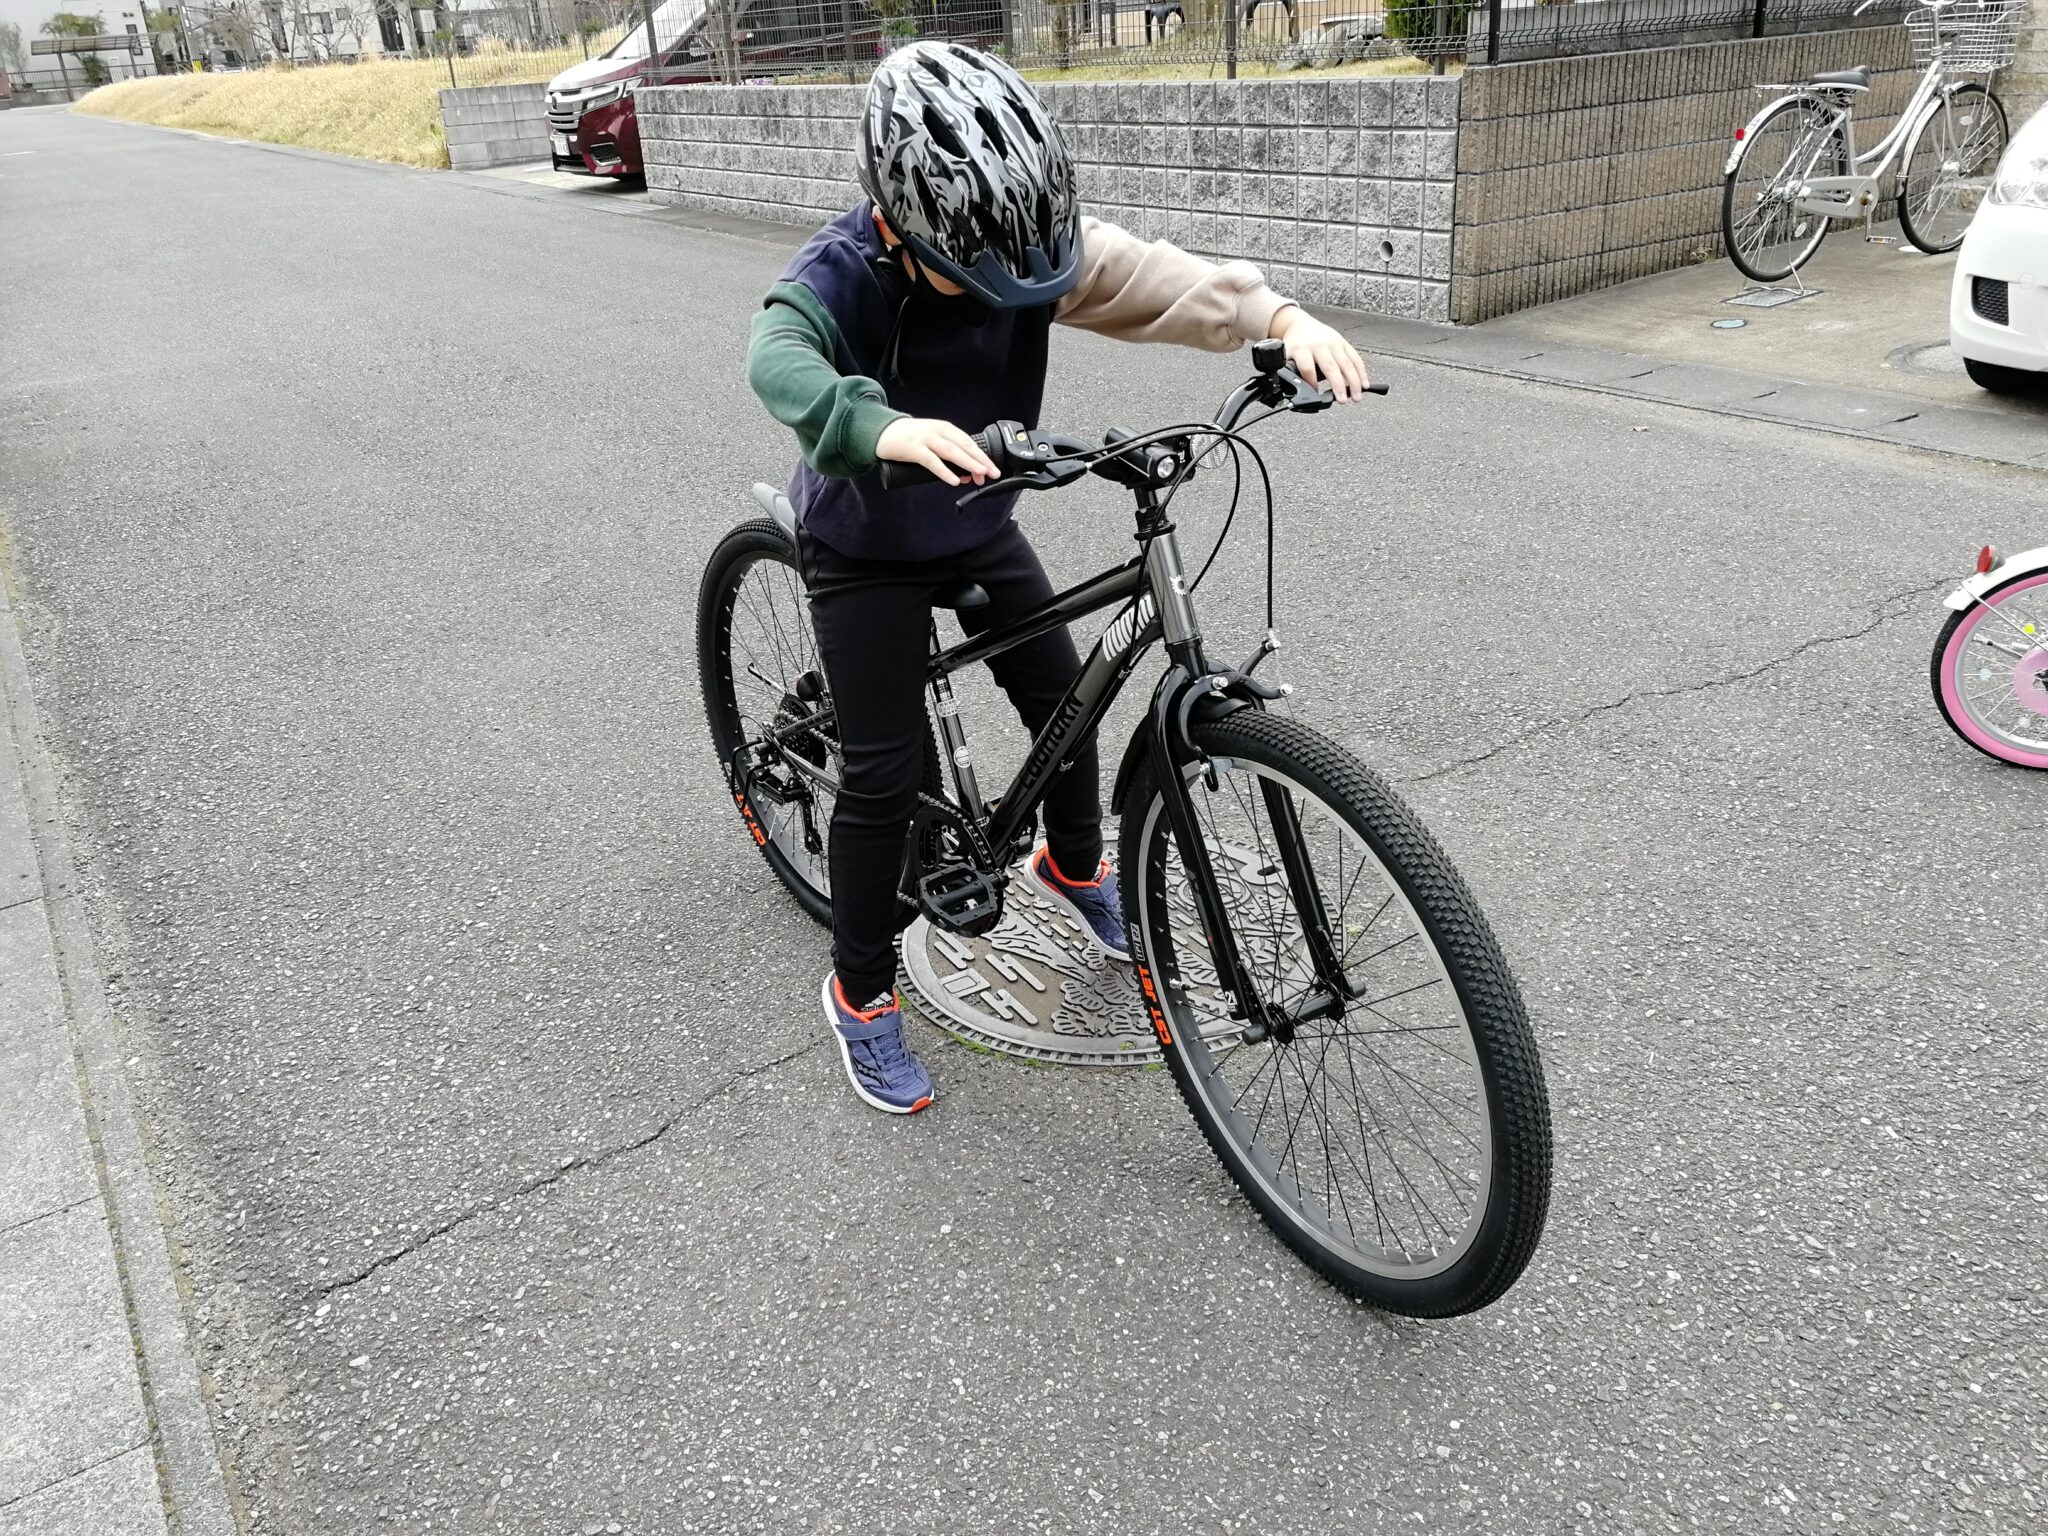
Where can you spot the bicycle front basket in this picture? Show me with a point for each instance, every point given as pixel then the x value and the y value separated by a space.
pixel 1975 39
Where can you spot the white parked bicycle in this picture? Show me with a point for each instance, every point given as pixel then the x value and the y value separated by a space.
pixel 1795 170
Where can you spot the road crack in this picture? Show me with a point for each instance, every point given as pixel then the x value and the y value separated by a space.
pixel 1887 610
pixel 582 1163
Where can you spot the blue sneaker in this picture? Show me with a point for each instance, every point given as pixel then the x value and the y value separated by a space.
pixel 878 1059
pixel 1095 902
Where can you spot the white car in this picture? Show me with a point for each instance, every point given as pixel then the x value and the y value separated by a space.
pixel 1998 308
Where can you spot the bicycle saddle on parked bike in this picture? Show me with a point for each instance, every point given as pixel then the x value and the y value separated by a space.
pixel 1857 79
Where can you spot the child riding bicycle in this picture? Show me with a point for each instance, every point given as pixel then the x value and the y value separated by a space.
pixel 921 315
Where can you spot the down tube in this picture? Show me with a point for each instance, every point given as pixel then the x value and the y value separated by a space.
pixel 1077 717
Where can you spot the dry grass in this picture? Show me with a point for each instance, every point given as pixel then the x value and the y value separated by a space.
pixel 381 109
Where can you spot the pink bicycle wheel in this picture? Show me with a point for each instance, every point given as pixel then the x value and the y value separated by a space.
pixel 1990 672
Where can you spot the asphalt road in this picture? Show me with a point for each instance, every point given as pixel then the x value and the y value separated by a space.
pixel 357 515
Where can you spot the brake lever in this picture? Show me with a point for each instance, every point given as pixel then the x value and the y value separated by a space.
pixel 1047 477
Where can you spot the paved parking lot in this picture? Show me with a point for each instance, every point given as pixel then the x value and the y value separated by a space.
pixel 354 552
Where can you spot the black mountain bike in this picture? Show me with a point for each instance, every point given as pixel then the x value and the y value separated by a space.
pixel 1332 1004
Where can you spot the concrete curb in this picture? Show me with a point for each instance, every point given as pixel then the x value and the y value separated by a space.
pixel 1872 415
pixel 189 1476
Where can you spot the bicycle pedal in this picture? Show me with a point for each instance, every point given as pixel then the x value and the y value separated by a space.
pixel 961 899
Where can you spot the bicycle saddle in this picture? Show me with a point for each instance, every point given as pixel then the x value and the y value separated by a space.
pixel 960 595
pixel 1857 79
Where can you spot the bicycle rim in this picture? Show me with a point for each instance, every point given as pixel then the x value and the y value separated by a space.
pixel 1368 1135
pixel 1768 236
pixel 769 677
pixel 1949 165
pixel 1991 672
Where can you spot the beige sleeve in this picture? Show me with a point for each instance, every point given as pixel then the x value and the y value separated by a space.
pixel 1135 291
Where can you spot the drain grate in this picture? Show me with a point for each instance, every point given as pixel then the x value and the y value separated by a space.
pixel 1772 298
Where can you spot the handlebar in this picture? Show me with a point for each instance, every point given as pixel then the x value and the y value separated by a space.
pixel 1031 460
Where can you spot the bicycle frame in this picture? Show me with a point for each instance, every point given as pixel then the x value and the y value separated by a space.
pixel 1842 197
pixel 1154 589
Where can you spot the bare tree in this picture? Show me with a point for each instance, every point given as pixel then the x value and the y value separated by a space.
pixel 13 52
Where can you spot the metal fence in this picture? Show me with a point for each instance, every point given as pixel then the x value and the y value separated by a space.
pixel 496 42
pixel 732 41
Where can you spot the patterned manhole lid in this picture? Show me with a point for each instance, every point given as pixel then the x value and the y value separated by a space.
pixel 1030 987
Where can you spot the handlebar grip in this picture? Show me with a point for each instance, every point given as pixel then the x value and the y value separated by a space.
pixel 897 477
pixel 1376 389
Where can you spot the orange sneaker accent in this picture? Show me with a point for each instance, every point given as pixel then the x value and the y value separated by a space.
pixel 868 1016
pixel 920 1104
pixel 1052 864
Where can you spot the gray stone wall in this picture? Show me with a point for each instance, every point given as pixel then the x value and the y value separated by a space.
pixel 2024 87
pixel 1340 189
pixel 1577 173
pixel 494 125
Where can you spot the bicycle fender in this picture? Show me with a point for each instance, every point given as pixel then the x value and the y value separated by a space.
pixel 1742 138
pixel 2024 563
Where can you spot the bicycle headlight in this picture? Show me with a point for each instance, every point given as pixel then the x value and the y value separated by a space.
pixel 2022 178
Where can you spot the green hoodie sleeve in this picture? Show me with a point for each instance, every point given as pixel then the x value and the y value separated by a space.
pixel 837 417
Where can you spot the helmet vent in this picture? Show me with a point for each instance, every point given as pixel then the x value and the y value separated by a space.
pixel 943 133
pixel 998 140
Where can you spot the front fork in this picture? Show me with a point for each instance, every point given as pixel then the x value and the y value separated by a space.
pixel 1192 689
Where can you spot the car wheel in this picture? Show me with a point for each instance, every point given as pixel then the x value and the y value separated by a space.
pixel 2005 381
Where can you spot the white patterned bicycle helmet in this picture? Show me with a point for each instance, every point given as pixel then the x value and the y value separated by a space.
pixel 969 169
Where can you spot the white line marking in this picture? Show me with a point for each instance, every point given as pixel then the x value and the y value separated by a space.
pixel 10 154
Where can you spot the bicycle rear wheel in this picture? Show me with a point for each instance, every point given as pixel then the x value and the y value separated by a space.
pixel 1766 234
pixel 1950 160
pixel 1398 1140
pixel 763 680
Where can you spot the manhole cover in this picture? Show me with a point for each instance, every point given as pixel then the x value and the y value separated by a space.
pixel 1771 298
pixel 1030 987
pixel 1934 359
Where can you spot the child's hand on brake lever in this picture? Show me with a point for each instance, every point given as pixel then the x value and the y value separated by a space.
pixel 938 446
pixel 1320 354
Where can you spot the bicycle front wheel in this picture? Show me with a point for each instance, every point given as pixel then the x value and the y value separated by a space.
pixel 1767 235
pixel 1395 1130
pixel 1950 160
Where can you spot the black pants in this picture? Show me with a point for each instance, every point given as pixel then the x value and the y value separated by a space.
pixel 873 621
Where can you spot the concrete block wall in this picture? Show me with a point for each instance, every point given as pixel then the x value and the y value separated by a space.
pixel 490 125
pixel 1576 173
pixel 1340 189
pixel 2024 87
pixel 782 153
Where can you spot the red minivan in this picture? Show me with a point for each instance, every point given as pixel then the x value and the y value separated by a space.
pixel 592 129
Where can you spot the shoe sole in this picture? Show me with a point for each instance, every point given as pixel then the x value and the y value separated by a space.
pixel 1087 928
pixel 846 1060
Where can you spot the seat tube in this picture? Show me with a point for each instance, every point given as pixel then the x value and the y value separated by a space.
pixel 953 740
